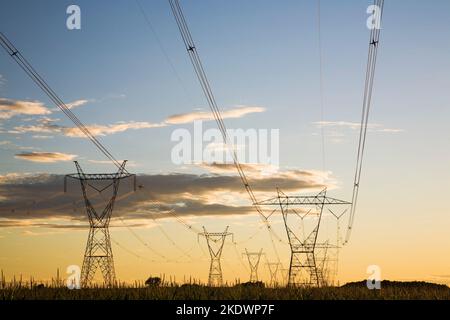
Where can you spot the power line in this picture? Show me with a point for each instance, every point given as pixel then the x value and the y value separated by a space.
pixel 322 104
pixel 163 49
pixel 368 89
pixel 166 235
pixel 41 83
pixel 206 88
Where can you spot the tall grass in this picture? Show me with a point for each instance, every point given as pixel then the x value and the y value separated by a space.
pixel 22 290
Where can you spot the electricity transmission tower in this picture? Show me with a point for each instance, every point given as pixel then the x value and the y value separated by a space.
pixel 304 268
pixel 253 261
pixel 98 252
pixel 284 276
pixel 215 241
pixel 273 267
pixel 337 216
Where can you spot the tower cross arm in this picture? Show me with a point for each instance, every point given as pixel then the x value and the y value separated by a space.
pixel 302 200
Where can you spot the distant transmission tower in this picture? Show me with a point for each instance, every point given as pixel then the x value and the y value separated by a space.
pixel 338 216
pixel 284 276
pixel 253 261
pixel 273 267
pixel 98 248
pixel 303 268
pixel 215 241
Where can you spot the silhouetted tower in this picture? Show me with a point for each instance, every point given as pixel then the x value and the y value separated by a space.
pixel 338 215
pixel 215 241
pixel 273 267
pixel 303 267
pixel 98 252
pixel 253 261
pixel 323 259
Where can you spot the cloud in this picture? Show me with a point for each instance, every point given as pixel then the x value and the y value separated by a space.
pixel 103 130
pixel 42 137
pixel 48 157
pixel 44 125
pixel 35 199
pixel 76 103
pixel 355 126
pixel 74 132
pixel 10 108
pixel 47 125
pixel 2 80
pixel 9 145
pixel 5 142
pixel 391 130
pixel 236 112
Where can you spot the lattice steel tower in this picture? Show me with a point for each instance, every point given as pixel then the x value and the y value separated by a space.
pixel 98 252
pixel 304 268
pixel 273 267
pixel 253 261
pixel 215 241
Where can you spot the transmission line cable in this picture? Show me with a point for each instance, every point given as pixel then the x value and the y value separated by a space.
pixel 322 104
pixel 206 88
pixel 41 83
pixel 368 90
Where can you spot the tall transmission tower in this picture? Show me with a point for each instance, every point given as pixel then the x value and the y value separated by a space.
pixel 304 268
pixel 273 267
pixel 98 253
pixel 215 241
pixel 253 261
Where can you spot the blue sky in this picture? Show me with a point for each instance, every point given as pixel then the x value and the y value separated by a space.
pixel 261 54
pixel 256 53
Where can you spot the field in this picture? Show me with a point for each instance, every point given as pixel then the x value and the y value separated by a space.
pixel 351 291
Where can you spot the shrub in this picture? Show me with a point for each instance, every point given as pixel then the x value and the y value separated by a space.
pixel 153 282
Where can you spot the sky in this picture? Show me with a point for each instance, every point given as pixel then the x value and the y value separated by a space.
pixel 130 81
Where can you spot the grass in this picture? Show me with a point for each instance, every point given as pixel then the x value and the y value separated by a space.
pixel 352 291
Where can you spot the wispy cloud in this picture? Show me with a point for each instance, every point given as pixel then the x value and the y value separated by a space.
pixel 74 132
pixel 10 108
pixel 387 130
pixel 48 157
pixel 103 130
pixel 5 142
pixel 236 112
pixel 355 126
pixel 9 145
pixel 77 103
pixel 47 125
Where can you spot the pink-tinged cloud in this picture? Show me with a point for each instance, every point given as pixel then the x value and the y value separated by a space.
pixel 103 130
pixel 237 112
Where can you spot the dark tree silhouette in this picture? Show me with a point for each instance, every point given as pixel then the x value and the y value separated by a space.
pixel 153 282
